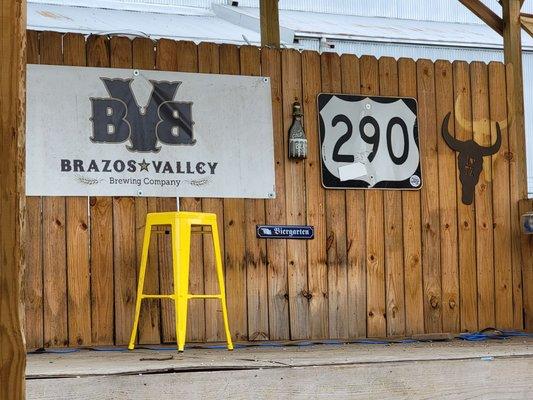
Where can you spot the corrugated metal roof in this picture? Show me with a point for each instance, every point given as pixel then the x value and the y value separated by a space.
pixel 199 26
pixel 348 27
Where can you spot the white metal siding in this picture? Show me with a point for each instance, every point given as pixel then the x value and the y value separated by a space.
pixel 527 60
pixel 426 10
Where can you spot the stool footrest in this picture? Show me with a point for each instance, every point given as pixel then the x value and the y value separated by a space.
pixel 205 296
pixel 157 296
pixel 190 296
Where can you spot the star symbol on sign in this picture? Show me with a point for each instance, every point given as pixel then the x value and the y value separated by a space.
pixel 144 165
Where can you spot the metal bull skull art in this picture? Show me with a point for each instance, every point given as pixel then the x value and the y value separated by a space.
pixel 470 159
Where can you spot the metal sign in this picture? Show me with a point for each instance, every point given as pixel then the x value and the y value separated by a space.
pixel 369 142
pixel 470 158
pixel 120 132
pixel 285 232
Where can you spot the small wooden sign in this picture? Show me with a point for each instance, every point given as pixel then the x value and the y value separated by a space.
pixel 302 232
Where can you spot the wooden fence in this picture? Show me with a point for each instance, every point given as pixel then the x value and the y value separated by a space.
pixel 383 263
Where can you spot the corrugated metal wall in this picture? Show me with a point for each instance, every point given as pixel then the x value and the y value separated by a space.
pixel 528 100
pixel 427 10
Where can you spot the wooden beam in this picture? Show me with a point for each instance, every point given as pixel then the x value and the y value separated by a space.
pixel 515 92
pixel 517 144
pixel 485 14
pixel 526 21
pixel 12 198
pixel 269 23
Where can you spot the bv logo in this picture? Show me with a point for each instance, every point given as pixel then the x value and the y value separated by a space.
pixel 120 118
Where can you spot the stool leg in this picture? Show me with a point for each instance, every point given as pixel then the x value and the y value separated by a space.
pixel 140 287
pixel 181 242
pixel 220 276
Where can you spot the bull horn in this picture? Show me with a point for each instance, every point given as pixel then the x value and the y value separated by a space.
pixel 504 123
pixel 464 123
pixel 488 151
pixel 454 143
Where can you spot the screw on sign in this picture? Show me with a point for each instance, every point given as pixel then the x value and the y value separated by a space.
pixel 302 232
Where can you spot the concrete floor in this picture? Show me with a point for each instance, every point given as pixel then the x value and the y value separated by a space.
pixel 496 369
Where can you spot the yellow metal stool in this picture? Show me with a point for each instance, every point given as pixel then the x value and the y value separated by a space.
pixel 181 224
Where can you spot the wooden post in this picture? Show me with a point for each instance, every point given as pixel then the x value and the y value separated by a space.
pixel 517 146
pixel 12 199
pixel 269 23
pixel 515 96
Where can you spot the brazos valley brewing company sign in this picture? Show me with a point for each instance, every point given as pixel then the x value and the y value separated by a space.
pixel 119 132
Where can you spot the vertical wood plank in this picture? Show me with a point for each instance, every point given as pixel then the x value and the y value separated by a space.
pixel 291 68
pixel 412 240
pixel 77 226
pixel 235 232
pixel 503 274
pixel 166 60
pixel 430 197
pixel 187 54
pixel 209 62
pixel 124 241
pixel 392 200
pixel 278 292
pixel 124 254
pixel 518 183
pixel 254 210
pixel 143 57
pixel 101 251
pixel 375 251
pixel 33 273
pixel 54 238
pixel 448 200
pixel 317 274
pixel 335 223
pixel 465 213
pixel 483 197
pixel 166 283
pixel 355 227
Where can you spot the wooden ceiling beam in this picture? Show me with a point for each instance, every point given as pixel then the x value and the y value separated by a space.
pixel 485 14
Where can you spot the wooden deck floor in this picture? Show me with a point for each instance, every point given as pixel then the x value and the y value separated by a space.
pixel 452 370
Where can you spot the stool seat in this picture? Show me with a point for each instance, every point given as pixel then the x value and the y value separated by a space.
pixel 195 218
pixel 181 224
